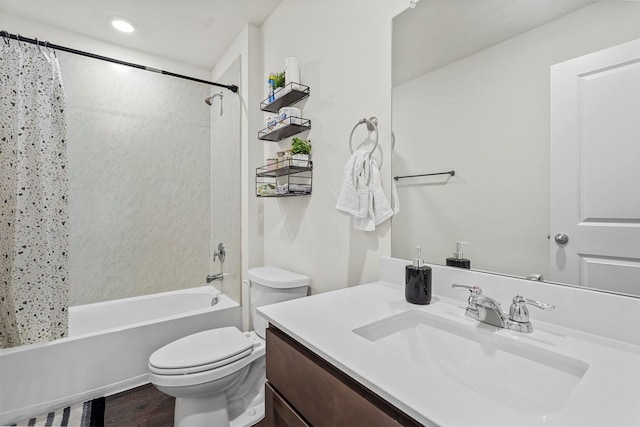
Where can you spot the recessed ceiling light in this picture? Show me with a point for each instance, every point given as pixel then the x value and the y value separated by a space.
pixel 123 25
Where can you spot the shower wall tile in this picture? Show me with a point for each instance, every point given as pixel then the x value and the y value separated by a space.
pixel 139 150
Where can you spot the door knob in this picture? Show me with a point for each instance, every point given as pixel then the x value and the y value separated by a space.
pixel 561 238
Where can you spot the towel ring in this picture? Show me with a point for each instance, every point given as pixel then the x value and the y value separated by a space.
pixel 372 125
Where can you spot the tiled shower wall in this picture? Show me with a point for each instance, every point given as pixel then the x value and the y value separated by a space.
pixel 140 189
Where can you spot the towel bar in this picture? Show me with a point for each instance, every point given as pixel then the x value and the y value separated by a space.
pixel 452 173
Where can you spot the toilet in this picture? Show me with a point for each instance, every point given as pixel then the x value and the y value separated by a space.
pixel 217 376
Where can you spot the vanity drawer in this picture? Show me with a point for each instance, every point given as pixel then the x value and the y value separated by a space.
pixel 322 394
pixel 278 413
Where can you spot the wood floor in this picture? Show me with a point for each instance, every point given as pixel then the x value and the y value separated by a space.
pixel 140 407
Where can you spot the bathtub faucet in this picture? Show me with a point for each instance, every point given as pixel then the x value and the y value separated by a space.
pixel 214 277
pixel 220 253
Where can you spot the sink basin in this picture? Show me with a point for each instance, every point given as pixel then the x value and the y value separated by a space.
pixel 515 374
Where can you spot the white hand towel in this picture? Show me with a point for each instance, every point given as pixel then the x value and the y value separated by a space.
pixel 395 200
pixel 363 180
pixel 354 196
pixel 361 194
pixel 364 224
pixel 381 209
pixel 366 221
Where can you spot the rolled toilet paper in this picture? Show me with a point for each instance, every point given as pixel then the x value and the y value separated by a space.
pixel 292 70
pixel 291 113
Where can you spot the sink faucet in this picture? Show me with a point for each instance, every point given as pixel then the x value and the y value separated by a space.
pixel 488 310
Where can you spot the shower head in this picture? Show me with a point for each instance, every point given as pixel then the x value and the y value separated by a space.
pixel 210 99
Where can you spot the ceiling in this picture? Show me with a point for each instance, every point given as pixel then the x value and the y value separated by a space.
pixel 195 32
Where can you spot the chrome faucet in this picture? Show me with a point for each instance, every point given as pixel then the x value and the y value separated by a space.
pixel 472 303
pixel 214 277
pixel 220 254
pixel 488 310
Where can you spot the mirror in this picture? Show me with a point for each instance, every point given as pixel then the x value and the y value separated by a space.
pixel 471 94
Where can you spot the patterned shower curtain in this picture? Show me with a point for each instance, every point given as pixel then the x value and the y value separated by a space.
pixel 34 220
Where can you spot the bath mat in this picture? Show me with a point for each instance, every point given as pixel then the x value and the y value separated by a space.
pixel 87 414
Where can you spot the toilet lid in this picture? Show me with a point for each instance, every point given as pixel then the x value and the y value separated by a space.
pixel 275 277
pixel 201 351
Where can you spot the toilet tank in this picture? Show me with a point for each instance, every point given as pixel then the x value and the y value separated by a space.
pixel 269 285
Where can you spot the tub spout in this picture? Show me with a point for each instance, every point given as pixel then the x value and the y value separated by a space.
pixel 214 277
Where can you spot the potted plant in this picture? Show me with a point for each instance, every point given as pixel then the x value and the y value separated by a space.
pixel 278 85
pixel 301 151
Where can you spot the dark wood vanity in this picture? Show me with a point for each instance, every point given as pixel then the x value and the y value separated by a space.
pixel 304 390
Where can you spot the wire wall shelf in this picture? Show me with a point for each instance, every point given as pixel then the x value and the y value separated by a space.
pixel 284 178
pixel 288 95
pixel 284 129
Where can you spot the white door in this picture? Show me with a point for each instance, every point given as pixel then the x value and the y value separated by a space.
pixel 595 170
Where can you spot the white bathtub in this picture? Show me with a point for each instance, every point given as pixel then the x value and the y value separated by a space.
pixel 107 350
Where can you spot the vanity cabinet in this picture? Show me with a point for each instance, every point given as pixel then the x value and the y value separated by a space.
pixel 278 412
pixel 305 390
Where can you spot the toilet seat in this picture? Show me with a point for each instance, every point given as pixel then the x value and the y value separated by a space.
pixel 161 380
pixel 201 352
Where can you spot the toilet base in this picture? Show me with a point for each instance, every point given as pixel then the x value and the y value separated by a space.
pixel 251 416
pixel 201 411
pixel 211 411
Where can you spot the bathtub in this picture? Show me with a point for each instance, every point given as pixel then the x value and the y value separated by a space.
pixel 107 349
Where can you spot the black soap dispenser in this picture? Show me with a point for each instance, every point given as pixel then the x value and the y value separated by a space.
pixel 458 260
pixel 417 281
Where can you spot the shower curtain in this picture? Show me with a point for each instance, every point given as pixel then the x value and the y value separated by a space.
pixel 34 225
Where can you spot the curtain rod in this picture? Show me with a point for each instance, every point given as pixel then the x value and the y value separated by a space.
pixel 19 38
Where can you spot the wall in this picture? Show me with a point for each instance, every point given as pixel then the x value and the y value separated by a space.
pixel 344 52
pixel 487 117
pixel 247 47
pixel 138 149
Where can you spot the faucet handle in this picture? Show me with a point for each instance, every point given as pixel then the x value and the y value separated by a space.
pixel 220 253
pixel 518 311
pixel 473 289
pixel 476 293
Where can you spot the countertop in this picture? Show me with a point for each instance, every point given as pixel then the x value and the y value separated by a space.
pixel 607 394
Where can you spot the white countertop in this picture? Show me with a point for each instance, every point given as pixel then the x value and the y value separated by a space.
pixel 608 394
